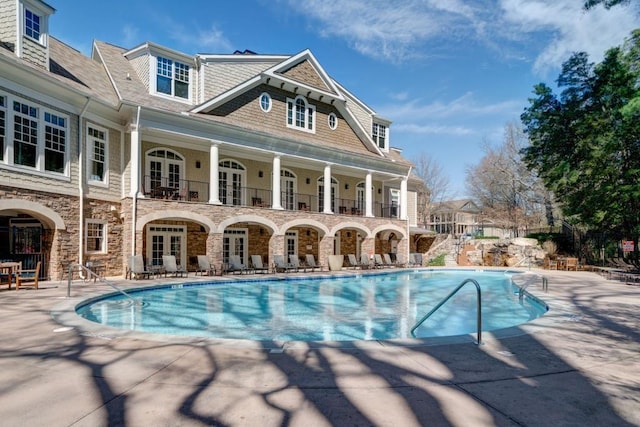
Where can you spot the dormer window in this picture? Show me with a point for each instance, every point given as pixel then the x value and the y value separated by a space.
pixel 172 78
pixel 379 135
pixel 32 25
pixel 301 115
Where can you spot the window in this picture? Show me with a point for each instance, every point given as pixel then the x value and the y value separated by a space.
pixel 95 236
pixel 333 121
pixel 97 152
pixel 32 136
pixel 172 78
pixel 300 115
pixel 25 131
pixel 31 25
pixel 379 135
pixel 265 102
pixel 55 140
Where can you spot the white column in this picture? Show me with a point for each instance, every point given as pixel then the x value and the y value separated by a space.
pixel 327 189
pixel 368 196
pixel 214 177
pixel 135 161
pixel 403 199
pixel 275 184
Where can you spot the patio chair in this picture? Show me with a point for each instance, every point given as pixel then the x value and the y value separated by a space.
pixel 236 265
pixel 279 265
pixel 28 277
pixel 294 262
pixel 378 261
pixel 353 261
pixel 311 262
pixel 257 265
pixel 136 268
pixel 171 266
pixel 389 262
pixel 205 267
pixel 364 261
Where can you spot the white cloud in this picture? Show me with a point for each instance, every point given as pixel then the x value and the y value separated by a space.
pixel 465 106
pixel 432 129
pixel 130 35
pixel 569 28
pixel 398 31
pixel 392 31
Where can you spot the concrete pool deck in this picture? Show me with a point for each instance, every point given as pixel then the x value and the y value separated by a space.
pixel 578 365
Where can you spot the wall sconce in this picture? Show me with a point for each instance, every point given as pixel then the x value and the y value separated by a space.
pixel 308 181
pixel 308 232
pixel 348 234
pixel 261 231
pixel 346 186
pixel 379 191
pixel 260 174
pixel 197 164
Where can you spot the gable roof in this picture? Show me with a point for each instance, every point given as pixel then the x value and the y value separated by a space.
pixel 301 74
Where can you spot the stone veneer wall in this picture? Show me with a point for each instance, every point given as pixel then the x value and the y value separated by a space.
pixel 62 245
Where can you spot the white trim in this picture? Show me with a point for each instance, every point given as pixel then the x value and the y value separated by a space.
pixel 308 115
pixel 105 235
pixel 104 182
pixel 270 102
pixel 335 121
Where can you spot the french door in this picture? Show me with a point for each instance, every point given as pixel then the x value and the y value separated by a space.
pixel 166 240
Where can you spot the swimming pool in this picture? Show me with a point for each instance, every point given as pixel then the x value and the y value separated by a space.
pixel 347 308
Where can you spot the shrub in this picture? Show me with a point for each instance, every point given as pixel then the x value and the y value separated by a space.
pixel 437 261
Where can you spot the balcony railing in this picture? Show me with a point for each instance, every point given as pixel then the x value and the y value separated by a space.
pixel 232 195
pixel 178 189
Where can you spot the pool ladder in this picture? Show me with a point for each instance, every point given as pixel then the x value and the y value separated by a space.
pixel 90 273
pixel 441 303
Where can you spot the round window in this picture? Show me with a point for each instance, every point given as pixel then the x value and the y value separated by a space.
pixel 333 121
pixel 265 102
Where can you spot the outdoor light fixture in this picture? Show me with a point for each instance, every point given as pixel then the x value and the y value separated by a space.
pixel 346 186
pixel 308 181
pixel 260 174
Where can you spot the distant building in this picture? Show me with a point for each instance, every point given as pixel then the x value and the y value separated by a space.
pixel 456 217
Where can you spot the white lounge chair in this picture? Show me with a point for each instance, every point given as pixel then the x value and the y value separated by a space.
pixel 205 267
pixel 257 265
pixel 236 265
pixel 378 262
pixel 172 267
pixel 136 268
pixel 311 262
pixel 364 261
pixel 294 262
pixel 280 265
pixel 353 262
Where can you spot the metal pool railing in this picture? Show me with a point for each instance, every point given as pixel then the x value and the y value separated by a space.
pixel 445 299
pixel 90 273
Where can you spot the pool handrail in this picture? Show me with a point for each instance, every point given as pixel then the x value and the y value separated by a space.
pixel 445 299
pixel 90 273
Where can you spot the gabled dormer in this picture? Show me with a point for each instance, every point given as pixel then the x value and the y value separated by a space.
pixel 25 29
pixel 165 72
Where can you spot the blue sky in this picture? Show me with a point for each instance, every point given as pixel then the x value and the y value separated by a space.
pixel 449 73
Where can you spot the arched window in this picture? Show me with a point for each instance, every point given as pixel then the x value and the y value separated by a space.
pixel 300 114
pixel 165 169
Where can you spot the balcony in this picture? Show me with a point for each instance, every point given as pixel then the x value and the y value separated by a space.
pixel 233 195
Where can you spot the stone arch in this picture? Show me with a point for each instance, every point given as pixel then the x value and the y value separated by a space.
pixel 301 222
pixel 387 229
pixel 44 214
pixel 175 215
pixel 354 225
pixel 256 219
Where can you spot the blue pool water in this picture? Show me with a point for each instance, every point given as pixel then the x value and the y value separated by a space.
pixel 358 307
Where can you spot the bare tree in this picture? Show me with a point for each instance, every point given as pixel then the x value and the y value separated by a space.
pixel 508 192
pixel 435 186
